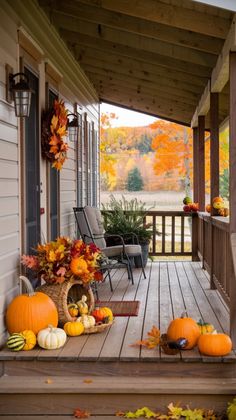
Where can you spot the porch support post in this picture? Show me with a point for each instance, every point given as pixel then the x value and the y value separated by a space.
pixel 201 162
pixel 214 171
pixel 214 155
pixel 195 194
pixel 232 186
pixel 195 165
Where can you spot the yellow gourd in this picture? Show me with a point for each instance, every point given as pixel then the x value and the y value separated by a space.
pixel 82 305
pixel 30 339
pixel 74 328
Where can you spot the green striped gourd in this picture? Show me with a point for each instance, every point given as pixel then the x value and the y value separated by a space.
pixel 16 342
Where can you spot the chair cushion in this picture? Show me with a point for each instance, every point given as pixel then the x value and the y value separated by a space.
pixel 113 251
pixel 133 249
pixel 96 225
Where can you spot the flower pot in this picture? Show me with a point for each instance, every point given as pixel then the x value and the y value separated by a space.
pixel 137 260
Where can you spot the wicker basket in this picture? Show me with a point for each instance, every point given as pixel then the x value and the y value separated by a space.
pixel 97 328
pixel 61 294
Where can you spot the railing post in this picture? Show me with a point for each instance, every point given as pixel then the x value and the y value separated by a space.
pixel 232 185
pixel 201 162
pixel 195 165
pixel 195 237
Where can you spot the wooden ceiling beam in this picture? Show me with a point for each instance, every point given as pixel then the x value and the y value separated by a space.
pixel 102 85
pixel 61 12
pixel 125 101
pixel 151 100
pixel 219 77
pixel 172 15
pixel 110 78
pixel 116 61
pixel 111 47
pixel 138 42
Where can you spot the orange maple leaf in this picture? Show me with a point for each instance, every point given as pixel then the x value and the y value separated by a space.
pixel 153 339
pixel 81 414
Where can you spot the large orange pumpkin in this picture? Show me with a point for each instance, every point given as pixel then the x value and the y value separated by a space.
pixel 215 344
pixel 31 311
pixel 184 327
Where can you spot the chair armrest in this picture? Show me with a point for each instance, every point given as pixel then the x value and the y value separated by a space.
pixel 133 235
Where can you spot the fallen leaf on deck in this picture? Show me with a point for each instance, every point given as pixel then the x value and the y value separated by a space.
pixel 152 341
pixel 49 381
pixel 120 414
pixel 87 381
pixel 81 414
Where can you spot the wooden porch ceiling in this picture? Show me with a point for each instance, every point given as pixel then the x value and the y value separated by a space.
pixel 154 56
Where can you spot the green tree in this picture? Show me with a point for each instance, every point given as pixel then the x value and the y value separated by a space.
pixel 134 181
pixel 224 184
pixel 145 144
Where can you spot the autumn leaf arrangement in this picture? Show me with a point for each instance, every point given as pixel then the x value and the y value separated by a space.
pixel 54 124
pixel 64 259
pixel 174 412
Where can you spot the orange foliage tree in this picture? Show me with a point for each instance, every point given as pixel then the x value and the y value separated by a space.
pixel 107 159
pixel 173 153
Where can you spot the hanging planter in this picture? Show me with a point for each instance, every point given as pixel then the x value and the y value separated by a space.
pixel 54 124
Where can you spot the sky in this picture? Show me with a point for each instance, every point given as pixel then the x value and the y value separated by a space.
pixel 127 118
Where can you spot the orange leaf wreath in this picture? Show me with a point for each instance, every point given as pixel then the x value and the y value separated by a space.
pixel 54 123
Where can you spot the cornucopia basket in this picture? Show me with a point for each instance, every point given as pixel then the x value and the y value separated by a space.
pixel 62 293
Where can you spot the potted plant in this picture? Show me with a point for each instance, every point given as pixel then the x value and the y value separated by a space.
pixel 127 218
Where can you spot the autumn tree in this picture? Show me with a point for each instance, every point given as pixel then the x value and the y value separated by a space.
pixel 173 152
pixel 107 159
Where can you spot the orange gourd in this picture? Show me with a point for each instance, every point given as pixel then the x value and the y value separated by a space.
pixel 184 327
pixel 102 313
pixel 215 344
pixel 31 311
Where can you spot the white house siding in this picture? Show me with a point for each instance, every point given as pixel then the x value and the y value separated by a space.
pixel 74 89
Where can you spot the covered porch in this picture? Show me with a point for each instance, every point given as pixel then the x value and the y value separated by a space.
pixel 171 61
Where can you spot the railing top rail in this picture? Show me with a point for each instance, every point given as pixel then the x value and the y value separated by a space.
pixel 168 213
pixel 161 213
pixel 221 222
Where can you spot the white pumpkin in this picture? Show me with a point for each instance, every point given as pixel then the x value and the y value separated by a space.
pixel 88 321
pixel 51 338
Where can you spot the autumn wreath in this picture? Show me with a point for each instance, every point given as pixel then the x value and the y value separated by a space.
pixel 54 123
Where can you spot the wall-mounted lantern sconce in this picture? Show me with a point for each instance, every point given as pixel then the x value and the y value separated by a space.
pixel 72 127
pixel 19 92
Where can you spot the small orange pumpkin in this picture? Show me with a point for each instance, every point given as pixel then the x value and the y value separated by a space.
pixel 215 344
pixel 184 327
pixel 99 314
pixel 78 266
pixel 31 311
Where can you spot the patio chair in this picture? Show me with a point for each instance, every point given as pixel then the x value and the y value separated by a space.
pixel 90 226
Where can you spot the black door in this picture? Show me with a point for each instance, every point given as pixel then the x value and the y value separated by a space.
pixel 53 187
pixel 31 163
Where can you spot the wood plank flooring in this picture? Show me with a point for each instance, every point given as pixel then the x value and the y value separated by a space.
pixel 169 289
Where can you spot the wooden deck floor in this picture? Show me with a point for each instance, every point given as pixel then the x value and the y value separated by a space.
pixel 169 289
pixel 103 373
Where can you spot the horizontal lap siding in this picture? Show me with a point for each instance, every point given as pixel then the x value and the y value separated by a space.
pixel 9 187
pixel 68 193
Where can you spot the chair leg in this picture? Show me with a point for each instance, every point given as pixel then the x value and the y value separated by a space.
pixel 130 270
pixel 144 274
pixel 110 282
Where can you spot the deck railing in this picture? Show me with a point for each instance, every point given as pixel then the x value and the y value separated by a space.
pixel 171 233
pixel 214 249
